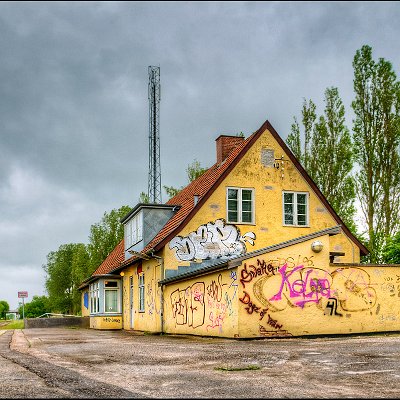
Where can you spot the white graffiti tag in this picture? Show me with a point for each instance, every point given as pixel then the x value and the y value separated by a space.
pixel 211 240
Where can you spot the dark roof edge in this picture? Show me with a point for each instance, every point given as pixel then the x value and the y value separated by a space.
pixel 235 261
pixel 94 278
pixel 313 185
pixel 145 205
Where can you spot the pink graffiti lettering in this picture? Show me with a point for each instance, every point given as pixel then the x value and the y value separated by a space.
pixel 309 289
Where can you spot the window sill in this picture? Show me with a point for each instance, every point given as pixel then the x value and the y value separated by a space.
pixel 296 226
pixel 241 223
pixel 104 314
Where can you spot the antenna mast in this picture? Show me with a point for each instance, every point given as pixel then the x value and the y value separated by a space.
pixel 154 189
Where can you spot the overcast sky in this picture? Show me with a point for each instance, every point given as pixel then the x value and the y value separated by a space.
pixel 74 106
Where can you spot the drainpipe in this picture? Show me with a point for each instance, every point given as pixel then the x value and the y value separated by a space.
pixel 162 290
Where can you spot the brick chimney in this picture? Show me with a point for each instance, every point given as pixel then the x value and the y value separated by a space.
pixel 225 145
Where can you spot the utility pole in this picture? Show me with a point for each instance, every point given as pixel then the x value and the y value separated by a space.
pixel 154 188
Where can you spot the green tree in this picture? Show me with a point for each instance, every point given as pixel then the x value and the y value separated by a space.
pixel 38 306
pixel 327 153
pixel 391 251
pixel 193 171
pixel 144 198
pixel 4 308
pixel 172 191
pixel 59 282
pixel 81 269
pixel 105 235
pixel 376 136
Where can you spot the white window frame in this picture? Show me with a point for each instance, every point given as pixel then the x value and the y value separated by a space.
pixel 94 299
pixel 240 205
pixel 141 292
pixel 295 209
pixel 112 289
pixel 134 231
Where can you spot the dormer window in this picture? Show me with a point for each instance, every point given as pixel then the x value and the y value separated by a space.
pixel 134 231
pixel 143 223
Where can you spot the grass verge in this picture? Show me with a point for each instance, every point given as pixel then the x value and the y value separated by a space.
pixel 17 324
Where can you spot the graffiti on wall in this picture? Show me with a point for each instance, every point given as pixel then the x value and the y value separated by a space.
pixel 211 240
pixel 188 305
pixel 205 304
pixel 274 289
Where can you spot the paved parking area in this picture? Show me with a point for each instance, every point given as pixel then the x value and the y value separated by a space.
pixel 119 364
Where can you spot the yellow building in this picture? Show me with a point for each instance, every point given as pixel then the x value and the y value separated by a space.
pixel 251 248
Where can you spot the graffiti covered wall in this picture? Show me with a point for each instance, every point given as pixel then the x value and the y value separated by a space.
pixel 204 306
pixel 289 292
pixel 211 240
pixel 297 292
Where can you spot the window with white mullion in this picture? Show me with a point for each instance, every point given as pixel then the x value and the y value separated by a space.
pixel 233 205
pixel 141 292
pixel 133 231
pixel 240 205
pixel 295 208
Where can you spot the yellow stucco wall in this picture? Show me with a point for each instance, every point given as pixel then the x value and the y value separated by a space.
pixel 289 292
pixel 106 322
pixel 297 292
pixel 206 305
pixel 150 319
pixel 268 182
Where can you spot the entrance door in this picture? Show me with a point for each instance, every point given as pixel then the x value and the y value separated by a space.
pixel 131 299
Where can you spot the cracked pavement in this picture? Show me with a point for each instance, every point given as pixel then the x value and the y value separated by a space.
pixel 85 363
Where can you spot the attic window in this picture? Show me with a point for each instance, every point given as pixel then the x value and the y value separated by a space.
pixel 134 231
pixel 240 205
pixel 295 208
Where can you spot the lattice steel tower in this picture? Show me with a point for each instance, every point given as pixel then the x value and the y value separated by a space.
pixel 154 190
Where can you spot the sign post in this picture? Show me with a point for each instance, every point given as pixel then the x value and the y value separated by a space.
pixel 23 295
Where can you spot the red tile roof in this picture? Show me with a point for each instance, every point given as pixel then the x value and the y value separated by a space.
pixel 115 258
pixel 204 186
pixel 185 199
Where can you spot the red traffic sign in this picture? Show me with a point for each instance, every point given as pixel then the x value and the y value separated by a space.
pixel 22 294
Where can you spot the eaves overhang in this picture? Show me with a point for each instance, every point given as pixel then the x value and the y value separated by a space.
pixel 237 260
pixel 141 206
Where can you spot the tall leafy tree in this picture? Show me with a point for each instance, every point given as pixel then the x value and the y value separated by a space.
pixel 193 171
pixel 377 138
pixel 4 307
pixel 59 283
pixel 105 235
pixel 391 251
pixel 81 269
pixel 327 153
pixel 309 117
pixel 72 263
pixel 144 198
pixel 38 306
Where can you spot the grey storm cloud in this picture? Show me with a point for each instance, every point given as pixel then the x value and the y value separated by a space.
pixel 74 107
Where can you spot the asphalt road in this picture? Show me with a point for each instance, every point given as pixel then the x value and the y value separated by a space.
pixel 73 363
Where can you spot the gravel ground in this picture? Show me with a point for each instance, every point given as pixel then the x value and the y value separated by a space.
pixel 118 364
